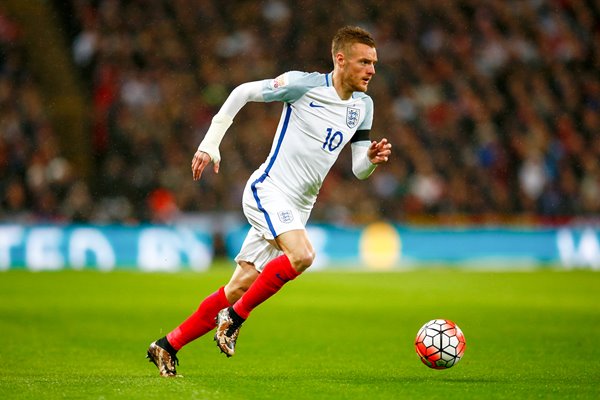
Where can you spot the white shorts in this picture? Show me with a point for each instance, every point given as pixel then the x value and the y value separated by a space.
pixel 270 214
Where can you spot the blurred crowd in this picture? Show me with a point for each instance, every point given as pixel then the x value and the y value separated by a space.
pixel 493 108
pixel 36 182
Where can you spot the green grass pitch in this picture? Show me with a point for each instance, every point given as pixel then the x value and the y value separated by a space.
pixel 327 335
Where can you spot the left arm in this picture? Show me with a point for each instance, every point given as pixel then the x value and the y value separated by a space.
pixel 366 156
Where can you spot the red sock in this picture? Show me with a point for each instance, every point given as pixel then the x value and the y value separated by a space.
pixel 275 274
pixel 200 322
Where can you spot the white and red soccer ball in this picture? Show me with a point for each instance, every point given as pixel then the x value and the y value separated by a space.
pixel 440 343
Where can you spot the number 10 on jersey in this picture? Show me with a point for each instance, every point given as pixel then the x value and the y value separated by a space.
pixel 333 140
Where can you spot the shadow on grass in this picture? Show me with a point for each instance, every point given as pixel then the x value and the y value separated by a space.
pixel 350 378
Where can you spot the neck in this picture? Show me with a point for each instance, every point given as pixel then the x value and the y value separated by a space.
pixel 344 92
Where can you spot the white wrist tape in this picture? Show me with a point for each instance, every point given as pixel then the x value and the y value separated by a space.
pixel 210 144
pixel 362 167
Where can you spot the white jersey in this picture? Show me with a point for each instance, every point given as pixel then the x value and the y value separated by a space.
pixel 314 127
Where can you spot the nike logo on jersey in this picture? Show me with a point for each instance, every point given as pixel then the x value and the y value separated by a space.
pixel 315 105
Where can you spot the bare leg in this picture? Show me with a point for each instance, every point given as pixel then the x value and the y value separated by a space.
pixel 243 276
pixel 298 256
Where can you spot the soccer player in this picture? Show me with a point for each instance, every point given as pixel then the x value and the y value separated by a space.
pixel 321 114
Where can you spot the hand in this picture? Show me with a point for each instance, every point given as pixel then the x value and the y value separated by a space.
pixel 199 162
pixel 379 152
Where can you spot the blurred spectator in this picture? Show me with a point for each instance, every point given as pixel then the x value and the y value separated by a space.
pixel 493 107
pixel 34 176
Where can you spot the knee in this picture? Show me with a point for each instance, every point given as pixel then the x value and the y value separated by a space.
pixel 233 294
pixel 240 282
pixel 234 291
pixel 302 260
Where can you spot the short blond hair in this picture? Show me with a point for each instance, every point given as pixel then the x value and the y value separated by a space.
pixel 347 36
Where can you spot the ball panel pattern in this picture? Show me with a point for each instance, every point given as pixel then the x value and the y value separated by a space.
pixel 440 344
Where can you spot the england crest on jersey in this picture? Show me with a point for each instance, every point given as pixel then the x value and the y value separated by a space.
pixel 352 117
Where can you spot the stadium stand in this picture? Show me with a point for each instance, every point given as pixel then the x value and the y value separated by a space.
pixel 493 108
pixel 37 182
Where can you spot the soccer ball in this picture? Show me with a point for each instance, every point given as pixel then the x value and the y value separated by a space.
pixel 440 343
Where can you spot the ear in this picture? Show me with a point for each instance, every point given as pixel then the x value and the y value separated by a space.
pixel 340 59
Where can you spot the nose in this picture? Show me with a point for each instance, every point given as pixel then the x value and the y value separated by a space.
pixel 371 69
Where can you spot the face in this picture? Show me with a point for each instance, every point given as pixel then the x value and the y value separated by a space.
pixel 357 67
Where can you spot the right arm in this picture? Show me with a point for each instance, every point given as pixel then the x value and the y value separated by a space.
pixel 209 147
